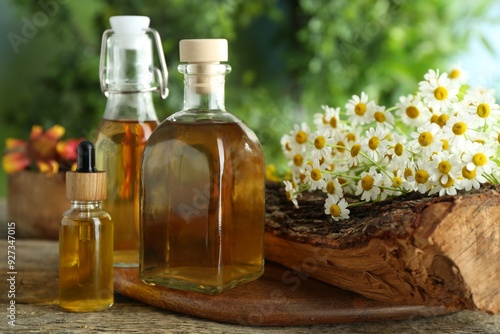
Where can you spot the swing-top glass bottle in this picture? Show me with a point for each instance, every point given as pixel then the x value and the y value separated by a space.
pixel 128 79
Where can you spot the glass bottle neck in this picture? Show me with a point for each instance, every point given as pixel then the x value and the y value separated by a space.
pixel 86 205
pixel 204 86
pixel 129 63
pixel 130 106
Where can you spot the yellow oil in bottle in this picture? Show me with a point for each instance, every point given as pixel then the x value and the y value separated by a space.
pixel 203 206
pixel 86 263
pixel 119 147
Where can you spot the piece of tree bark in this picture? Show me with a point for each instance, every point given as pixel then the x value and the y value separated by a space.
pixel 413 249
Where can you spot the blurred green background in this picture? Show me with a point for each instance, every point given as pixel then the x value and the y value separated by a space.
pixel 288 57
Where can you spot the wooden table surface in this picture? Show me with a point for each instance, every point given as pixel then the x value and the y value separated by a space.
pixel 36 308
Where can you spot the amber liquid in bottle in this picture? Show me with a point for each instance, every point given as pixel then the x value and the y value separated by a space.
pixel 203 206
pixel 86 261
pixel 119 147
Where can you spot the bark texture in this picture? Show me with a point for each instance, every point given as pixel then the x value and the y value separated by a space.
pixel 413 249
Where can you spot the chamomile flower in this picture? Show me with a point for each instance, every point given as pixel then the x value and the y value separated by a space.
pixel 444 166
pixel 421 176
pixel 300 135
pixel 398 151
pixel 334 188
pixel 359 109
pixel 478 156
pixel 297 162
pixel 427 139
pixel 291 193
pixel 458 130
pixel 369 185
pixel 355 155
pixel 438 92
pixel 336 207
pixel 330 118
pixel 457 74
pixel 445 185
pixel 485 110
pixel 375 143
pixel 322 142
pixel 471 179
pixel 412 111
pixel 287 146
pixel 315 175
pixel 383 118
pixel 399 179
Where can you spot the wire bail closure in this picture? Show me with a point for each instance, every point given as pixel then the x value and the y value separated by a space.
pixel 160 74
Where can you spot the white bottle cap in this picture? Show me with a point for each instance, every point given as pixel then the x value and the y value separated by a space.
pixel 203 50
pixel 128 30
pixel 129 24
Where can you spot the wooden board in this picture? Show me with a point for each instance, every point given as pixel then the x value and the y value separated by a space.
pixel 280 297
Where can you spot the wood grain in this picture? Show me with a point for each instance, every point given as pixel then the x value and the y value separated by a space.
pixel 129 316
pixel 280 297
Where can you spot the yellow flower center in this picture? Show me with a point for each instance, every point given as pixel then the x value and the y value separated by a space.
pixel 396 181
pixel 444 167
pixel 421 176
pixel 333 122
pixel 324 120
pixel 434 118
pixel 498 138
pixel 301 137
pixel 379 117
pixel 367 182
pixel 360 109
pixel 408 172
pixel 412 112
pixel 454 73
pixel 330 188
pixel 289 195
pixel 373 143
pixel 399 149
pixel 440 93
pixel 355 150
pixel 483 110
pixel 298 160
pixel 442 119
pixel 459 128
pixel 448 183
pixel 468 174
pixel 425 139
pixel 446 144
pixel 341 146
pixel 335 210
pixel 288 147
pixel 351 136
pixel 319 142
pixel 479 159
pixel 316 174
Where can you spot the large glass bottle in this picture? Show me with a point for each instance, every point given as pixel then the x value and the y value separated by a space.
pixel 202 188
pixel 128 79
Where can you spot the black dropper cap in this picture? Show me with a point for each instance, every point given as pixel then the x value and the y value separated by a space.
pixel 86 183
pixel 86 157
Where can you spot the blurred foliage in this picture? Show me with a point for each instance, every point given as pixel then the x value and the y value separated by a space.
pixel 288 56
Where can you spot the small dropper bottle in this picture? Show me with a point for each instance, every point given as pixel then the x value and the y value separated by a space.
pixel 86 239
